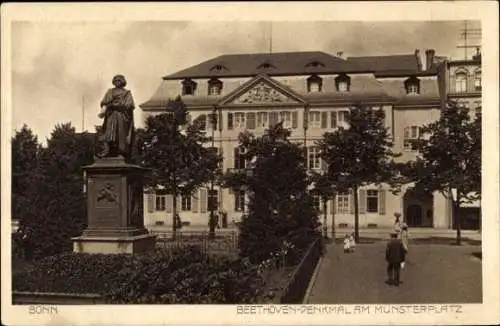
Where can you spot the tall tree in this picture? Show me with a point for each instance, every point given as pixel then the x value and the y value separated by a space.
pixel 56 211
pixel 276 182
pixel 175 150
pixel 25 155
pixel 449 159
pixel 360 154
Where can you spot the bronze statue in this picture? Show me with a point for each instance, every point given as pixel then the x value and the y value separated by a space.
pixel 116 135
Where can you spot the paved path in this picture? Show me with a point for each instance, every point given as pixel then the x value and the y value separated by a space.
pixel 434 274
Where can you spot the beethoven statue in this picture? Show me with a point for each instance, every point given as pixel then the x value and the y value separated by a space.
pixel 116 136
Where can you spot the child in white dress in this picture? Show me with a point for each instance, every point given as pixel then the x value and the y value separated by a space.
pixel 347 243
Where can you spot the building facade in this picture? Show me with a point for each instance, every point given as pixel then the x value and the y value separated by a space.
pixel 310 92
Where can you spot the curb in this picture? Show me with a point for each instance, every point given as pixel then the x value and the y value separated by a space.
pixel 313 280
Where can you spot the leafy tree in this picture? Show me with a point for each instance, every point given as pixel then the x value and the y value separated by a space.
pixel 360 154
pixel 280 207
pixel 175 151
pixel 450 158
pixel 56 212
pixel 25 154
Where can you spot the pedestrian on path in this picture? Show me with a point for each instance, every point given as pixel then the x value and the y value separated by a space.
pixel 394 255
pixel 347 243
pixel 404 241
pixel 397 224
pixel 352 242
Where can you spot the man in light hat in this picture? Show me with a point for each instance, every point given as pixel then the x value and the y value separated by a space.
pixel 394 255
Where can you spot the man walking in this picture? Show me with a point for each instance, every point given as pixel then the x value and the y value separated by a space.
pixel 394 255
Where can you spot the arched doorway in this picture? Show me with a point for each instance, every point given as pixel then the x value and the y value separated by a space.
pixel 418 209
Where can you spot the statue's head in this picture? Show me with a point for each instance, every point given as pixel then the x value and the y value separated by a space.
pixel 119 81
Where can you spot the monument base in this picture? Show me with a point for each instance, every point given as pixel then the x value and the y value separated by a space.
pixel 114 245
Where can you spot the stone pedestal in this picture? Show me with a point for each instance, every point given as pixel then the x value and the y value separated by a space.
pixel 114 210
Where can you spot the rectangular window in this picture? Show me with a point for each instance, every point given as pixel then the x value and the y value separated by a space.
pixel 316 200
pixel 229 121
pixel 372 201
pixel 186 203
pixel 338 118
pixel 295 118
pixel 314 161
pixel 239 120
pixel 239 159
pixel 286 118
pixel 160 202
pixel 461 83
pixel 314 119
pixel 262 120
pixel 239 201
pixel 273 119
pixel 411 133
pixel 343 203
pixel 213 120
pixel 251 120
pixel 213 199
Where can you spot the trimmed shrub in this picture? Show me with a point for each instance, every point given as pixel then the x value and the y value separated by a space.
pixel 180 276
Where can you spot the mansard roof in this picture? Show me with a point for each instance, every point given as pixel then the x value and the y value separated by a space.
pixel 272 64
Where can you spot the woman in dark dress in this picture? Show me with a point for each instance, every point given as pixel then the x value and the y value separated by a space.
pixel 118 126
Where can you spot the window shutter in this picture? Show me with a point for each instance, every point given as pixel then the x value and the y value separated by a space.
pixel 230 121
pixel 362 201
pixel 381 202
pixel 251 120
pixel 220 122
pixel 235 201
pixel 203 200
pixel 194 202
pixel 150 198
pixel 294 119
pixel 324 119
pixel 168 203
pixel 333 119
pixel 236 158
pixel 351 202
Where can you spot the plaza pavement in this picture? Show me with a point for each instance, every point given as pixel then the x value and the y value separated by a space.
pixel 433 274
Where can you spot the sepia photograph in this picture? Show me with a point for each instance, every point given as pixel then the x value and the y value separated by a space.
pixel 320 168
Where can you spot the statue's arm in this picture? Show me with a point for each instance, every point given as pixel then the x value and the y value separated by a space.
pixel 108 97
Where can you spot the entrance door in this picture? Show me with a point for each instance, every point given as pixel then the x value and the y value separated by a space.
pixel 414 215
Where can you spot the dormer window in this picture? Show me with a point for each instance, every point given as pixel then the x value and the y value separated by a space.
pixel 218 68
pixel 412 86
pixel 314 84
pixel 343 83
pixel 315 64
pixel 266 65
pixel 188 87
pixel 214 87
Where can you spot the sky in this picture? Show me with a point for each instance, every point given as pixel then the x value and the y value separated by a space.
pixel 58 68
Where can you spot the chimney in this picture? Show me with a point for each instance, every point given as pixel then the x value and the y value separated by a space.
pixel 429 58
pixel 419 60
pixel 339 54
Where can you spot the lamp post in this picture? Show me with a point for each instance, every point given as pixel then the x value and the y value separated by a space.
pixel 456 214
pixel 212 221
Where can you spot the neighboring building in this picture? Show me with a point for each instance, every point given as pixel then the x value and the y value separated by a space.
pixel 464 84
pixel 310 92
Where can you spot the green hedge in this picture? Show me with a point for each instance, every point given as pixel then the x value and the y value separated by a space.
pixel 181 276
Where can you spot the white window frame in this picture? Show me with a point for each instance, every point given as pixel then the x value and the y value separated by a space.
pixel 316 200
pixel 313 158
pixel 315 119
pixel 314 86
pixel 185 203
pixel 214 88
pixel 410 133
pixel 461 83
pixel 477 80
pixel 343 86
pixel 412 89
pixel 239 201
pixel 262 120
pixel 342 204
pixel 340 118
pixel 286 118
pixel 160 203
pixel 239 120
pixel 372 194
